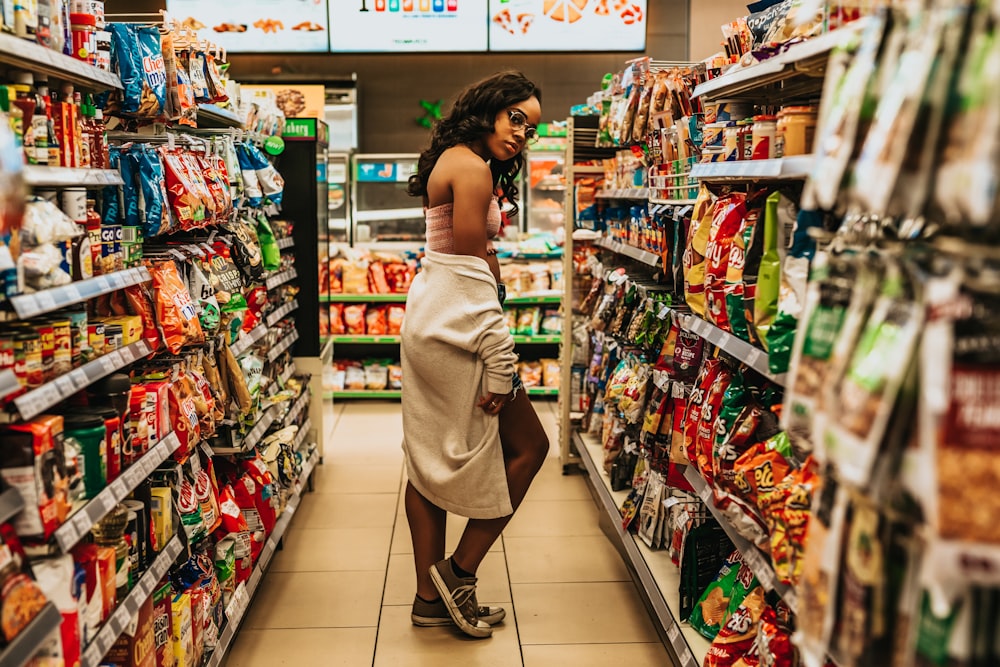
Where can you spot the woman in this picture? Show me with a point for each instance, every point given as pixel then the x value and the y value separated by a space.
pixel 472 440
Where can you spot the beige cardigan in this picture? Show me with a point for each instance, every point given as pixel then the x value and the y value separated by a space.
pixel 455 348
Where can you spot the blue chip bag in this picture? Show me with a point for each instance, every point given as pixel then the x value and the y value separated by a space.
pixel 248 169
pixel 137 57
pixel 129 169
pixel 110 202
pixel 154 95
pixel 154 192
pixel 272 185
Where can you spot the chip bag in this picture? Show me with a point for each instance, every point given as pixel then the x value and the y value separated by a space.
pixel 723 596
pixel 727 220
pixel 737 639
pixel 176 314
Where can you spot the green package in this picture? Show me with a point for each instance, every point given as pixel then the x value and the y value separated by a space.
pixel 268 245
pixel 765 306
pixel 723 596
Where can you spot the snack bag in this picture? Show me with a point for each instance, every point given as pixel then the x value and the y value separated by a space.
pixel 722 595
pixel 376 321
pixel 727 219
pixel 531 373
pixel 138 58
pixel 741 255
pixel 695 250
pixel 355 319
pixel 792 293
pixel 141 303
pixel 734 399
pixel 176 315
pixel 737 639
pixel 377 282
pixel 185 199
pixel 337 327
pixel 246 250
pixel 704 429
pixel 788 520
pixel 156 214
pixel 209 311
pixel 692 414
pixel 769 277
pixel 395 319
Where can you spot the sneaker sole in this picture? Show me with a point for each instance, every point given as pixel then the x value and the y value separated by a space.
pixel 454 611
pixel 437 621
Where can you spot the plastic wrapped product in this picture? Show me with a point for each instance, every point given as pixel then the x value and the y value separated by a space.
pixel 723 596
pixel 157 218
pixel 175 312
pixel 727 221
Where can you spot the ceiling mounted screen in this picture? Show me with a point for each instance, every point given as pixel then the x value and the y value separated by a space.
pixel 257 26
pixel 406 26
pixel 567 25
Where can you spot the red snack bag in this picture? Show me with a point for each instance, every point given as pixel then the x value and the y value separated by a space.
pixel 727 220
pixel 774 637
pixel 377 282
pixel 692 413
pixel 245 494
pixel 687 356
pixel 184 415
pixel 399 277
pixel 185 201
pixel 376 321
pixel 337 327
pixel 395 319
pixel 233 520
pixel 141 303
pixel 705 434
pixel 264 498
pixel 175 312
pixel 735 645
pixel 354 319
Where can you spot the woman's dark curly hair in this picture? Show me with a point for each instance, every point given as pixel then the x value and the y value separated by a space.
pixel 470 119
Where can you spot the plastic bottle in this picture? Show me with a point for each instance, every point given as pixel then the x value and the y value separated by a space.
pixel 15 117
pixel 95 127
pixel 25 18
pixel 82 132
pixel 40 129
pixel 25 100
pixel 54 153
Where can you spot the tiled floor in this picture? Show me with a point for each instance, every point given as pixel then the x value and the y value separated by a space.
pixel 340 591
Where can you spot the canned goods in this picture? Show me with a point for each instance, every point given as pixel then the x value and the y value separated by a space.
pixel 731 144
pixel 78 335
pixel 6 350
pixel 62 337
pixel 95 337
pixel 74 204
pixel 112 337
pixel 28 359
pixel 47 339
pixel 764 130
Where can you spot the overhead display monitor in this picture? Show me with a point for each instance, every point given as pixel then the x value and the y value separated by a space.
pixel 257 26
pixel 567 25
pixel 406 26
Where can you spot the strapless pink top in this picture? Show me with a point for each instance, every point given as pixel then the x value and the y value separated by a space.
pixel 440 226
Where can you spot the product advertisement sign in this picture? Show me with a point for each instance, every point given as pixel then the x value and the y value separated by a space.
pixel 258 26
pixel 567 25
pixel 387 26
pixel 295 99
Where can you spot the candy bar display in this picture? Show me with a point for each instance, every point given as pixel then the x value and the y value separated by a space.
pixel 156 430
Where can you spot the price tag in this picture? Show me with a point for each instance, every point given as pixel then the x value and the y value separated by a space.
pixel 792 599
pixel 107 501
pixel 46 301
pixel 754 356
pixel 109 363
pixel 673 633
pixel 683 518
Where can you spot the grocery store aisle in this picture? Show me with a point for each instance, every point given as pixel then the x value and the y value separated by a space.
pixel 340 591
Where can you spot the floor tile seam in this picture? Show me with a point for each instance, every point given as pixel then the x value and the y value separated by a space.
pixel 617 643
pixel 573 581
pixel 338 571
pixel 388 560
pixel 513 603
pixel 315 627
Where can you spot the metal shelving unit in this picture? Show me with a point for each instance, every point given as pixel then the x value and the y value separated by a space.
pixel 46 301
pixel 248 340
pixel 639 255
pixel 25 645
pixel 624 193
pixel 738 348
pixel 657 578
pixel 61 177
pixel 285 344
pixel 32 56
pixel 795 167
pixel 281 278
pixel 282 312
pixel 80 523
pixel 211 116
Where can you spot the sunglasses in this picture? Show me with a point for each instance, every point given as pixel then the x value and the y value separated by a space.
pixel 518 121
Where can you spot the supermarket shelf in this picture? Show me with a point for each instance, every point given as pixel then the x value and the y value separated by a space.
pixel 543 391
pixel 659 579
pixel 796 72
pixel 282 312
pixel 538 340
pixel 253 438
pixel 753 357
pixel 11 504
pixel 389 214
pixel 753 557
pixel 36 58
pixel 533 299
pixel 80 523
pixel 281 278
pixel 631 252
pixel 240 600
pixel 46 301
pixel 8 383
pixel 57 177
pixel 789 168
pixel 38 400
pixel 379 340
pixel 129 607
pixel 210 115
pixel 248 340
pixel 301 435
pixel 286 243
pixel 293 412
pixel 364 298
pixel 285 343
pixel 672 202
pixel 24 647
pixel 367 393
pixel 287 373
pixel 624 193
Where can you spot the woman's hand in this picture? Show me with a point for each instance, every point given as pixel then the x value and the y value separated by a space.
pixel 492 403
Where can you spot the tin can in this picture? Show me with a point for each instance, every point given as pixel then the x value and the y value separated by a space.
pixel 78 336
pixel 74 204
pixel 62 337
pixel 95 338
pixel 112 337
pixel 28 359
pixel 46 335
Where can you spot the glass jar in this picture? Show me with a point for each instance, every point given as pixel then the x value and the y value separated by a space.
pixel 796 130
pixel 765 129
pixel 731 143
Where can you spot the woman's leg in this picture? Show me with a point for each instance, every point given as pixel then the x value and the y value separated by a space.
pixel 525 447
pixel 427 530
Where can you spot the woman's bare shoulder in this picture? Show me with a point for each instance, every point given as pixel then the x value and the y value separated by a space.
pixel 461 159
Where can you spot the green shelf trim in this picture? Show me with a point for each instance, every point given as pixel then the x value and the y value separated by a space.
pixel 372 393
pixel 543 391
pixel 362 298
pixel 366 339
pixel 537 339
pixel 531 300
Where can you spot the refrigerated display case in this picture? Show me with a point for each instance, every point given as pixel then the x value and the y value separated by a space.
pixel 545 191
pixel 338 167
pixel 381 210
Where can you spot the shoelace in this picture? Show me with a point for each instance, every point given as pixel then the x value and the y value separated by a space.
pixel 463 595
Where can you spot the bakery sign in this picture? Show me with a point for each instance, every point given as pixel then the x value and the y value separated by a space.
pixel 295 100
